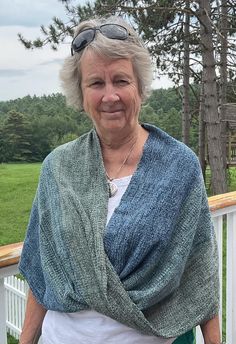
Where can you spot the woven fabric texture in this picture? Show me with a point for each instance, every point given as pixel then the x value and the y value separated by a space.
pixel 154 266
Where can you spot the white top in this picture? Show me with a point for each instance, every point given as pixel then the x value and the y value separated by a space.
pixel 122 184
pixel 91 327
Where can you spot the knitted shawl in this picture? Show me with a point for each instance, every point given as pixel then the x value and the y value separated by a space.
pixel 153 267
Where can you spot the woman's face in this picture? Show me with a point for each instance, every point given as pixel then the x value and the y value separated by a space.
pixel 110 93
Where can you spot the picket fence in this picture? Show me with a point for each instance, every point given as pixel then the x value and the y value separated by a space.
pixel 16 292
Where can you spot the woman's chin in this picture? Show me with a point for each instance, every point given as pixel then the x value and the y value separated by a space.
pixel 114 125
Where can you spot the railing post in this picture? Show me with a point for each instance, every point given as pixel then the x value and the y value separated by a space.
pixel 218 226
pixel 231 280
pixel 3 332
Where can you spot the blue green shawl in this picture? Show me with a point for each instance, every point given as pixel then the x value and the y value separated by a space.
pixel 154 266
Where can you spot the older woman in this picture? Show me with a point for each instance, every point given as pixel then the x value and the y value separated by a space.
pixel 120 247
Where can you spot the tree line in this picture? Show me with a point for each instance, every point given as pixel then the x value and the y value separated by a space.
pixel 30 127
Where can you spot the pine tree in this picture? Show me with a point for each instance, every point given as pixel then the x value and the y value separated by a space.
pixel 17 134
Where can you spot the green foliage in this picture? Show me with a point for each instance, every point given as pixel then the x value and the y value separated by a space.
pixel 168 121
pixel 165 99
pixel 11 340
pixel 232 179
pixel 30 127
pixel 17 135
pixel 3 145
pixel 163 109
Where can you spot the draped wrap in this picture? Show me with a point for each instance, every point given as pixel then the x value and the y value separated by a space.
pixel 154 267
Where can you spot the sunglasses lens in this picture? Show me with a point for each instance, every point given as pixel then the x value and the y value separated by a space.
pixel 114 31
pixel 83 39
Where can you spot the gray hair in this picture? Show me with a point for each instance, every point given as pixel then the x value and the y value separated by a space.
pixel 132 48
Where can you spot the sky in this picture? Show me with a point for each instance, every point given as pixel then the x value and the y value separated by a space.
pixel 32 72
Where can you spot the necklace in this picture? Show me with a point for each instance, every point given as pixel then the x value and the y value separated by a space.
pixel 113 188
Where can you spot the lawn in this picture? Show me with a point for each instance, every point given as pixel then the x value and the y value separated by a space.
pixel 18 183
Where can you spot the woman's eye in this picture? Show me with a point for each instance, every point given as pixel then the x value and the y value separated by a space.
pixel 122 82
pixel 96 83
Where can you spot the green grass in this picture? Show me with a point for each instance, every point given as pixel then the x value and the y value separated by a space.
pixel 18 183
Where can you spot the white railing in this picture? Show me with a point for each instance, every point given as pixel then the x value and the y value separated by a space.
pixel 223 209
pixel 4 272
pixel 16 293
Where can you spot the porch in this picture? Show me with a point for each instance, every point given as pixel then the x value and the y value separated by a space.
pixel 223 209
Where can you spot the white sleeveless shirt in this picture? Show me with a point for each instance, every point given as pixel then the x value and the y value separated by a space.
pixel 89 326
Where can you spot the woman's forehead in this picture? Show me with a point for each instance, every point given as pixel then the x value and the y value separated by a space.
pixel 92 63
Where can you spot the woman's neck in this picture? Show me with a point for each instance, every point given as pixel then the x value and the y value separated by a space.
pixel 121 156
pixel 116 140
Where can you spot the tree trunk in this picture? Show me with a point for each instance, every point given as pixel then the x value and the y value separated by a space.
pixel 213 124
pixel 202 134
pixel 186 76
pixel 223 75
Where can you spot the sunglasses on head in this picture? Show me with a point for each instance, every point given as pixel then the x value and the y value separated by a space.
pixel 85 37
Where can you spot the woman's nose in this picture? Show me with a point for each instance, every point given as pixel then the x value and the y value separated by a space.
pixel 110 94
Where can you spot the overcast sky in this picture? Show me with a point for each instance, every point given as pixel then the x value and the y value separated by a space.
pixel 23 71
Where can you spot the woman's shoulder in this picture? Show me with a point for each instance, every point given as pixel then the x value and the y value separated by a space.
pixel 168 146
pixel 171 160
pixel 63 157
pixel 69 149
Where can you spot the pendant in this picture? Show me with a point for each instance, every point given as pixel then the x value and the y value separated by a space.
pixel 112 188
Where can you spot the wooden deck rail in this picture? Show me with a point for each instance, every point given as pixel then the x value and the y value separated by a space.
pixel 10 254
pixel 220 205
pixel 222 201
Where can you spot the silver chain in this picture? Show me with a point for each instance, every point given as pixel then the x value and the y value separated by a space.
pixel 123 163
